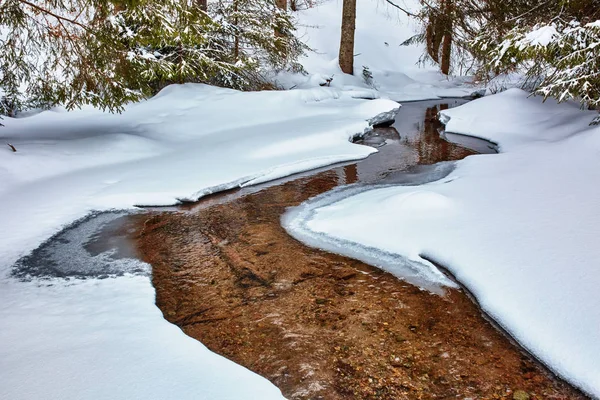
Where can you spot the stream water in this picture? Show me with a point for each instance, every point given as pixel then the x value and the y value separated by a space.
pixel 317 324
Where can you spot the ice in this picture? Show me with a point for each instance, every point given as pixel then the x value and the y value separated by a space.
pixel 66 254
pixel 81 323
pixel 180 145
pixel 519 229
pixel 297 222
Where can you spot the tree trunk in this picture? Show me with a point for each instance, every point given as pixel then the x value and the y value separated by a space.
pixel 282 5
pixel 347 39
pixel 447 42
pixel 202 4
pixel 236 40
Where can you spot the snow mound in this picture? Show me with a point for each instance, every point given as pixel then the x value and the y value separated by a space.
pixel 312 222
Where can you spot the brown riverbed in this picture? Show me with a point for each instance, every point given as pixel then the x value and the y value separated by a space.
pixel 319 325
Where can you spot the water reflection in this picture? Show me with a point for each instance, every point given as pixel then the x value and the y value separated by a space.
pixel 413 140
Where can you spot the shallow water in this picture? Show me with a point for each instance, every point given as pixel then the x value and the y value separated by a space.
pixel 320 325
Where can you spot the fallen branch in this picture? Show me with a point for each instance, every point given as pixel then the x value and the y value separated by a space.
pixel 327 82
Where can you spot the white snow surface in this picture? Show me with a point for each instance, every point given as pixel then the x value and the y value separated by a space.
pixel 519 229
pixel 380 29
pixel 541 36
pixel 105 339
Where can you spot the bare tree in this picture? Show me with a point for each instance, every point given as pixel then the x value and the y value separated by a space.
pixel 347 37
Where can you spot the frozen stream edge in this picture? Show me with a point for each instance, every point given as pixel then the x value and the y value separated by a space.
pixel 424 275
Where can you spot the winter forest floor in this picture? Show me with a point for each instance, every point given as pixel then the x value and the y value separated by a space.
pixel 319 325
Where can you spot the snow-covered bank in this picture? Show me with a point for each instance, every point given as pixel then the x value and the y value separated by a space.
pixel 519 229
pixel 105 338
pixel 188 141
pixel 380 29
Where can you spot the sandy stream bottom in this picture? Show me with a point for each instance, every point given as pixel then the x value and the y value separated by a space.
pixel 319 325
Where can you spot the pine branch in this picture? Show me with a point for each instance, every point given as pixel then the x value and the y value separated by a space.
pixel 58 17
pixel 400 8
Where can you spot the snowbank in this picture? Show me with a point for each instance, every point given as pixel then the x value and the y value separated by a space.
pixel 380 29
pixel 188 141
pixel 518 229
pixel 106 339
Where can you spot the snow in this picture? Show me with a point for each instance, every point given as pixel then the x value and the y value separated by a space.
pixel 531 124
pixel 167 149
pixel 518 229
pixel 540 36
pixel 105 339
pixel 380 29
pixel 62 339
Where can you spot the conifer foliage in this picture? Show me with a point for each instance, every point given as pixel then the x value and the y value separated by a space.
pixel 557 43
pixel 258 32
pixel 109 52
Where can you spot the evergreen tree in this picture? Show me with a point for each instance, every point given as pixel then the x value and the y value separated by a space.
pixel 258 33
pixel 557 44
pixel 109 52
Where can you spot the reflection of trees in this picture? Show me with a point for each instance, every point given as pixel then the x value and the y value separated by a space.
pixel 431 147
pixel 257 207
pixel 424 147
pixel 350 174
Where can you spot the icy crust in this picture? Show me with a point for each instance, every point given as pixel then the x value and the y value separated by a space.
pixel 94 336
pixel 518 229
pixel 67 255
pixel 297 222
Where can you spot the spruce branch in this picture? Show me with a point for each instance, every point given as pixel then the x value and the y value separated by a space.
pixel 58 17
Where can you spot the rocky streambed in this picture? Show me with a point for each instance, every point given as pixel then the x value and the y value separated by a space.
pixel 319 325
